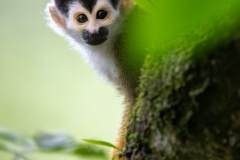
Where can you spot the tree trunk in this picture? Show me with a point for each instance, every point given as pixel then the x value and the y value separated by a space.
pixel 188 106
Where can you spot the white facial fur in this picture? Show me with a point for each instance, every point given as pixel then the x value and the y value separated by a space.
pixel 100 57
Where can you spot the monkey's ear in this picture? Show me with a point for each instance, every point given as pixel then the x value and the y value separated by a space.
pixel 57 17
pixel 126 6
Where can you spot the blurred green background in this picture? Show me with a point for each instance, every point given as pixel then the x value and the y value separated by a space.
pixel 46 85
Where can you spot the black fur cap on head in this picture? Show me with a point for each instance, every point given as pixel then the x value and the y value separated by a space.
pixel 62 5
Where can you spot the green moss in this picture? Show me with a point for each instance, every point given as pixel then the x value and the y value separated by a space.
pixel 189 103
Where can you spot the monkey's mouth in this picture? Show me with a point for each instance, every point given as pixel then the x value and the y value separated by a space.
pixel 95 38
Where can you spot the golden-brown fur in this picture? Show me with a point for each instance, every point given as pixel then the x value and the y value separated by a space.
pixel 120 141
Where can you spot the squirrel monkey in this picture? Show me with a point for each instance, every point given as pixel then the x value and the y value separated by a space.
pixel 92 27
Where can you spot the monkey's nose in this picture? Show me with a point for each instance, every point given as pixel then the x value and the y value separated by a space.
pixel 97 37
pixel 103 31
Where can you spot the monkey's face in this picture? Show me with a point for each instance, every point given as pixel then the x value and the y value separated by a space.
pixel 89 21
pixel 94 25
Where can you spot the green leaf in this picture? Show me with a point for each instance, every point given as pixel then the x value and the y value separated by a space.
pixel 54 141
pixel 101 143
pixel 147 5
pixel 113 157
pixel 119 155
pixel 14 142
pixel 4 147
pixel 89 150
pixel 10 135
pixel 10 147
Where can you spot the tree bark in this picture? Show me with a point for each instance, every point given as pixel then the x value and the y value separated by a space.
pixel 188 106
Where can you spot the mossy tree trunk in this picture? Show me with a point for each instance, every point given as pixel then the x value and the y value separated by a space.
pixel 188 106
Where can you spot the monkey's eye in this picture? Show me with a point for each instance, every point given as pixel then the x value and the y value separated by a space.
pixel 81 18
pixel 101 14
